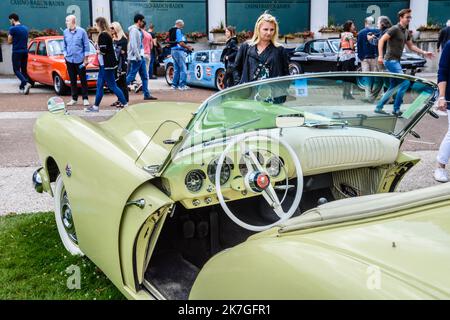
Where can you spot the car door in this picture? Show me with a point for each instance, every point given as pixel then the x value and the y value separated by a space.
pixel 320 57
pixel 201 58
pixel 43 65
pixel 31 66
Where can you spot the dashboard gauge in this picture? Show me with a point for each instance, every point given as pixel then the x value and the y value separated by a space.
pixel 243 167
pixel 194 180
pixel 225 172
pixel 273 166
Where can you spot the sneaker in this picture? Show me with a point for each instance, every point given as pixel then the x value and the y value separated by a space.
pixel 86 102
pixel 441 175
pixel 150 98
pixel 72 103
pixel 398 114
pixel 184 88
pixel 91 109
pixel 21 91
pixel 380 111
pixel 173 87
pixel 137 88
pixel 26 90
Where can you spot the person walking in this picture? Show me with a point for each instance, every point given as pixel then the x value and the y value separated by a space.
pixel 76 51
pixel 443 78
pixel 178 52
pixel 136 56
pixel 383 25
pixel 229 55
pixel 154 53
pixel 262 57
pixel 367 54
pixel 18 37
pixel 444 36
pixel 120 42
pixel 395 39
pixel 147 42
pixel 108 65
pixel 347 56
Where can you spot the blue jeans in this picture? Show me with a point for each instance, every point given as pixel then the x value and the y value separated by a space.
pixel 135 67
pixel 19 62
pixel 179 68
pixel 108 77
pixel 152 63
pixel 396 85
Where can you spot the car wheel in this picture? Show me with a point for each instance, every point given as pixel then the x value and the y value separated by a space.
pixel 220 77
pixel 58 85
pixel 169 74
pixel 295 68
pixel 64 219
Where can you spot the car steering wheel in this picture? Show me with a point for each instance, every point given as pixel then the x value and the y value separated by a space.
pixel 257 180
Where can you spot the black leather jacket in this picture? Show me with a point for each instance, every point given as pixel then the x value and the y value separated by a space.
pixel 105 45
pixel 230 51
pixel 248 62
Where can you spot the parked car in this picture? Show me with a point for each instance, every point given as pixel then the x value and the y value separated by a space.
pixel 204 69
pixel 321 55
pixel 46 64
pixel 275 189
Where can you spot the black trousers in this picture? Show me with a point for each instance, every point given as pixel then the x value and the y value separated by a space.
pixel 74 70
pixel 19 62
pixel 229 78
pixel 122 84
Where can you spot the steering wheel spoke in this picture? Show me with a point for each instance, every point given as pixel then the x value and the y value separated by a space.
pixel 272 198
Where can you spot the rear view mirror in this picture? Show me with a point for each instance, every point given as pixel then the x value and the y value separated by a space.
pixel 290 120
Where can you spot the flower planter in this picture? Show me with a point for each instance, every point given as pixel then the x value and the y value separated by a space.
pixel 219 37
pixel 429 35
pixel 328 35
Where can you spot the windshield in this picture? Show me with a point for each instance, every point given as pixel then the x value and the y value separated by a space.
pixel 322 99
pixel 335 43
pixel 56 47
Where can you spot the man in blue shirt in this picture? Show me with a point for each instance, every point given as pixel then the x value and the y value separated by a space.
pixel 178 52
pixel 367 54
pixel 18 37
pixel 76 52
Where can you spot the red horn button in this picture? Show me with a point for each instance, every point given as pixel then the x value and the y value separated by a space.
pixel 262 181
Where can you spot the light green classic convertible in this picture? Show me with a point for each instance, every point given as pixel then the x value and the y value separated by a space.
pixel 277 189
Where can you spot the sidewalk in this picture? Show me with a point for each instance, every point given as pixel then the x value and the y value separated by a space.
pixel 11 85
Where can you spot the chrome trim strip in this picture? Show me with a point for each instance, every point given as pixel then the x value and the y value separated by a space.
pixel 153 290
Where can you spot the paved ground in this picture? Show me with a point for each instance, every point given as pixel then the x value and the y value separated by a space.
pixel 18 156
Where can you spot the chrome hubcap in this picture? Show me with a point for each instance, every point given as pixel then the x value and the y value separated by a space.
pixel 66 218
pixel 57 83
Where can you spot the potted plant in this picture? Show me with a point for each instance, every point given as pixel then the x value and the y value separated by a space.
pixel 196 36
pixel 430 31
pixel 219 33
pixel 332 30
pixel 244 35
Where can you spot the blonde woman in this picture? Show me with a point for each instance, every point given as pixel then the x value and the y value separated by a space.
pixel 120 42
pixel 108 65
pixel 262 57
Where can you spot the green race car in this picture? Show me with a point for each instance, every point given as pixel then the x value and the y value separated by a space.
pixel 277 189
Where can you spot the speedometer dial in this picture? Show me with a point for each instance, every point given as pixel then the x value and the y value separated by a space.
pixel 225 172
pixel 194 180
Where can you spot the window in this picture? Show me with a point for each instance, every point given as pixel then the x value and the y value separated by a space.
pixel 42 51
pixel 202 57
pixel 32 49
pixel 319 47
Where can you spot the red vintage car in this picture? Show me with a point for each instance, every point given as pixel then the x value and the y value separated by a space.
pixel 46 64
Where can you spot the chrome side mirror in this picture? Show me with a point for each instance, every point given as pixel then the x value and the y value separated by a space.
pixel 56 105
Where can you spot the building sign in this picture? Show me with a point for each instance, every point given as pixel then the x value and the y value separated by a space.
pixel 292 15
pixel 357 10
pixel 45 14
pixel 162 14
pixel 438 11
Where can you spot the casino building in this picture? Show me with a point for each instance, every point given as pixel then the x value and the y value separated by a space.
pixel 203 15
